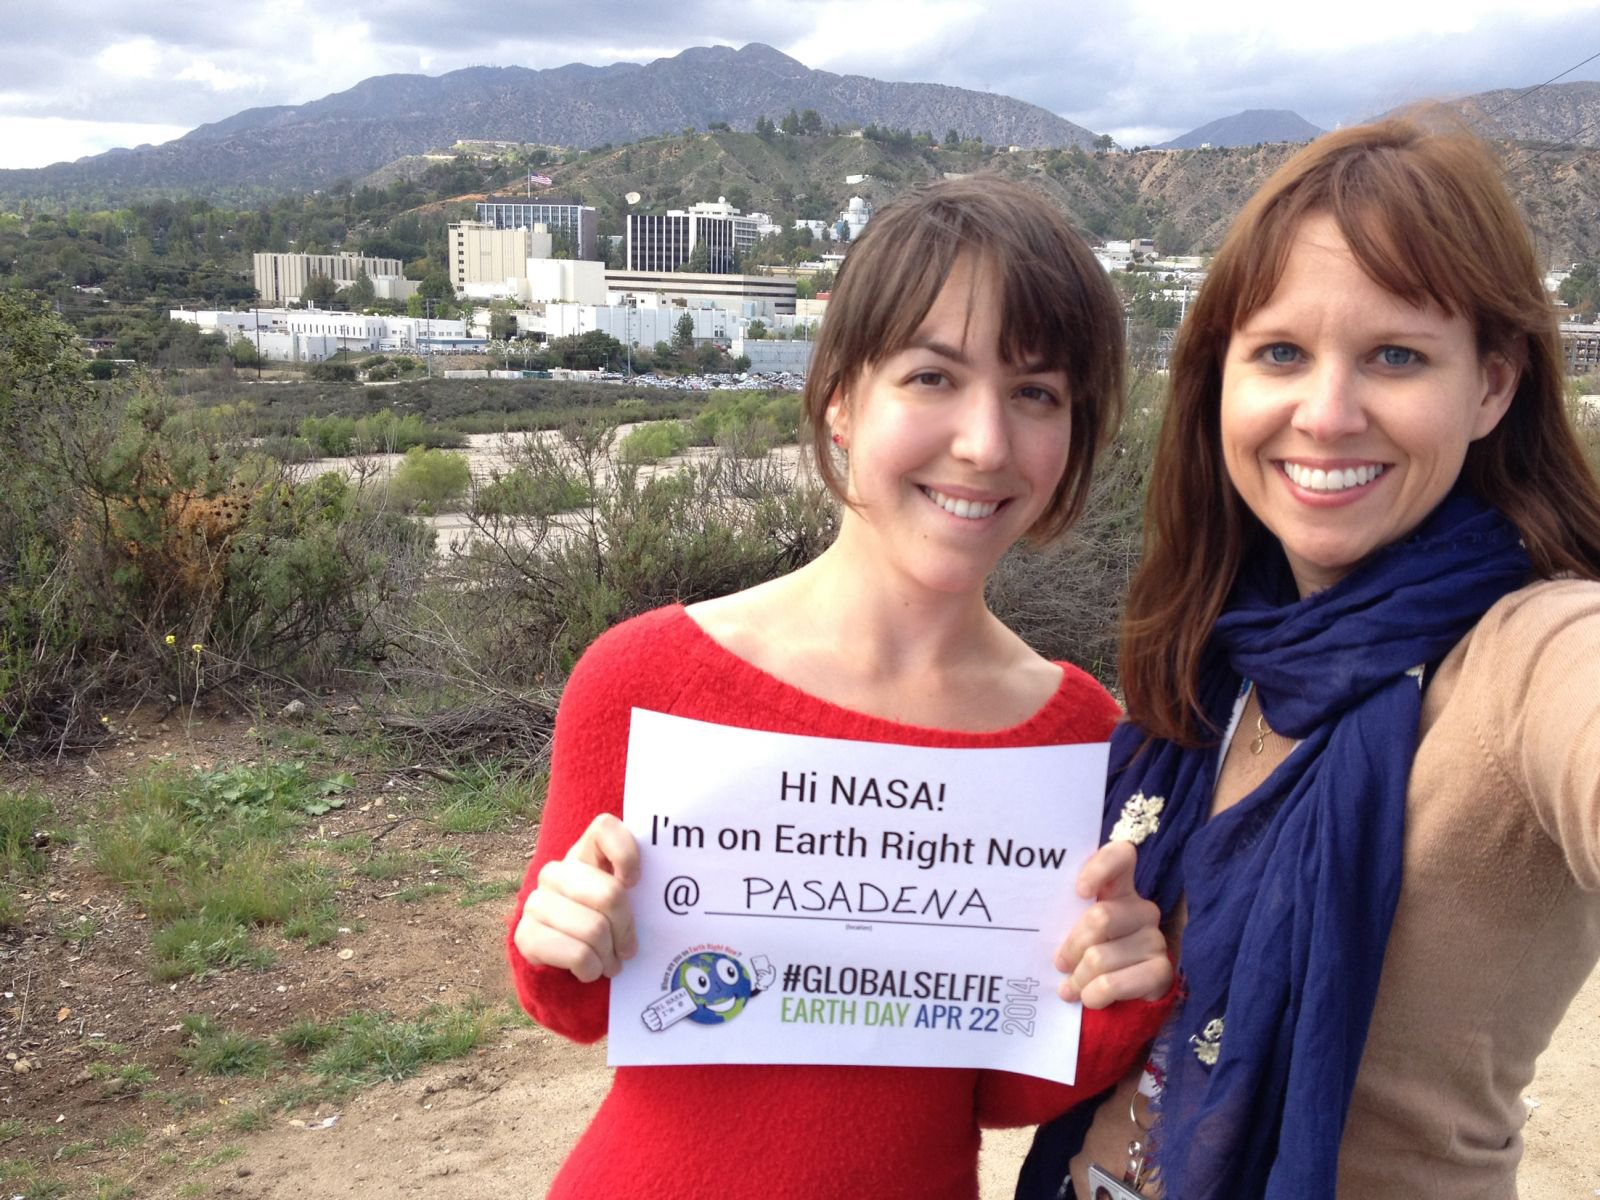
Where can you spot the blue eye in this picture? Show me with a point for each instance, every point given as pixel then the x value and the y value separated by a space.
pixel 927 378
pixel 1281 353
pixel 1397 356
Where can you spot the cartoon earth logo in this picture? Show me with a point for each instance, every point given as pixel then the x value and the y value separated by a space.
pixel 718 985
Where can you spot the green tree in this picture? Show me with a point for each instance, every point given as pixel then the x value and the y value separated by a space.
pixel 319 292
pixel 436 286
pixel 361 293
pixel 699 259
pixel 683 334
pixel 1580 290
pixel 1105 142
pixel 952 139
pixel 756 330
pixel 764 128
pixel 502 324
pixel 810 122
pixel 790 123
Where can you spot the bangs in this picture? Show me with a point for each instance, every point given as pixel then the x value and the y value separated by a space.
pixel 1405 218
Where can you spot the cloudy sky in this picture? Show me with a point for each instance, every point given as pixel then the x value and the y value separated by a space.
pixel 83 76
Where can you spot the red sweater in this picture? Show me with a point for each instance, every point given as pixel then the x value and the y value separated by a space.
pixel 806 1132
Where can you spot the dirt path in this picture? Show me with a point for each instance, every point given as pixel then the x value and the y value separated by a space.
pixel 498 1127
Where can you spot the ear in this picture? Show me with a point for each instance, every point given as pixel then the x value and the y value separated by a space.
pixel 1500 379
pixel 837 414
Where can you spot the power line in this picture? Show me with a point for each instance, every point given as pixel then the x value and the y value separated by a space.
pixel 1524 95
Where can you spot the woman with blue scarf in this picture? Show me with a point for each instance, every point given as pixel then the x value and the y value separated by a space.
pixel 1362 670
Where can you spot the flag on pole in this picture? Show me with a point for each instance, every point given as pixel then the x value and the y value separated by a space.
pixel 541 180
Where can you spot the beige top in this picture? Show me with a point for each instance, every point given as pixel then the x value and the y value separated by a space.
pixel 1498 924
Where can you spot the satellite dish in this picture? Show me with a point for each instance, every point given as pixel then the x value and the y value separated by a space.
pixel 632 197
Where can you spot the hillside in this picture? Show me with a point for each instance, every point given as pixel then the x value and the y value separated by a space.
pixel 1185 198
pixel 1562 113
pixel 1252 127
pixel 287 148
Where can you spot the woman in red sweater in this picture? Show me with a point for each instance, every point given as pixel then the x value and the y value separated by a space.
pixel 969 368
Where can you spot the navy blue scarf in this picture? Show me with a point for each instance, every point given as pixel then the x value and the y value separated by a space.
pixel 1291 892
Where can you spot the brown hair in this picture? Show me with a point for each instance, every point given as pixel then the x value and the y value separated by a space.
pixel 1424 211
pixel 1057 307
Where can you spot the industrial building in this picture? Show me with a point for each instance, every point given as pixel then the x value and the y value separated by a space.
pixel 281 278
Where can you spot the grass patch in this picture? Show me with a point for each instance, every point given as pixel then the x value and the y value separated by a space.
pixel 217 1051
pixel 217 1158
pixel 249 1120
pixel 373 1048
pixel 129 1077
pixel 390 865
pixel 419 892
pixel 453 862
pixel 24 818
pixel 480 890
pixel 106 1188
pixel 206 855
pixel 199 945
pixel 489 799
pixel 80 931
pixel 307 1037
pixel 182 1103
pixel 11 1127
pixel 125 1138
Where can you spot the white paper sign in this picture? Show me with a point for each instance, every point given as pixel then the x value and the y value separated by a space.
pixel 815 900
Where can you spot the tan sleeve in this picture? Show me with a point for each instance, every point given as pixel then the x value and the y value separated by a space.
pixel 1537 666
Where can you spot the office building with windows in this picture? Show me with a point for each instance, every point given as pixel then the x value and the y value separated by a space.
pixel 565 219
pixel 666 241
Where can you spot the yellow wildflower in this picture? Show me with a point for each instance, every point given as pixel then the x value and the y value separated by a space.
pixel 197 647
pixel 172 639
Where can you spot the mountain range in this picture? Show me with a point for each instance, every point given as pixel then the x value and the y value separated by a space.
pixel 268 151
pixel 349 133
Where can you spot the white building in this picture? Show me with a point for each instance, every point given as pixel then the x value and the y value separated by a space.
pixel 853 219
pixel 749 295
pixel 311 334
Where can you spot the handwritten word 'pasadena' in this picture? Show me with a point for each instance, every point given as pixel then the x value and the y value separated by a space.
pixel 816 896
pixel 909 985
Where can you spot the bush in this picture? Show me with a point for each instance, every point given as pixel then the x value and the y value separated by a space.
pixel 431 477
pixel 332 372
pixel 653 442
pixel 530 593
pixel 134 526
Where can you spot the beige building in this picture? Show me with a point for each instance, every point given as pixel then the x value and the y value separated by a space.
pixel 281 278
pixel 480 253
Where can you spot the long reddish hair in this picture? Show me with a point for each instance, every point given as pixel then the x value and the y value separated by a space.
pixel 1424 211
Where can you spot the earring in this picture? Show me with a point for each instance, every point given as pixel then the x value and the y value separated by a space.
pixel 838 440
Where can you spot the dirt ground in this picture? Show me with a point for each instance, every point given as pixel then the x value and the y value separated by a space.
pixel 493 1124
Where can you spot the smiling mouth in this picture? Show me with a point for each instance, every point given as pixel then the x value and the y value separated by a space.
pixel 969 510
pixel 722 1006
pixel 1335 479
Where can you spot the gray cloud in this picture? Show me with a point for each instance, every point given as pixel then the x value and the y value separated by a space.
pixel 1107 68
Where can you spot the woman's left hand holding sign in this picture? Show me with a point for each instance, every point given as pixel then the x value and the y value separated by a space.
pixel 1116 951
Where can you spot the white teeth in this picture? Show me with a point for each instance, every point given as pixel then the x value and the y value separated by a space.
pixel 1316 479
pixel 972 510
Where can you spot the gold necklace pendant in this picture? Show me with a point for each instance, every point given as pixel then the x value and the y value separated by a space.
pixel 1259 742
